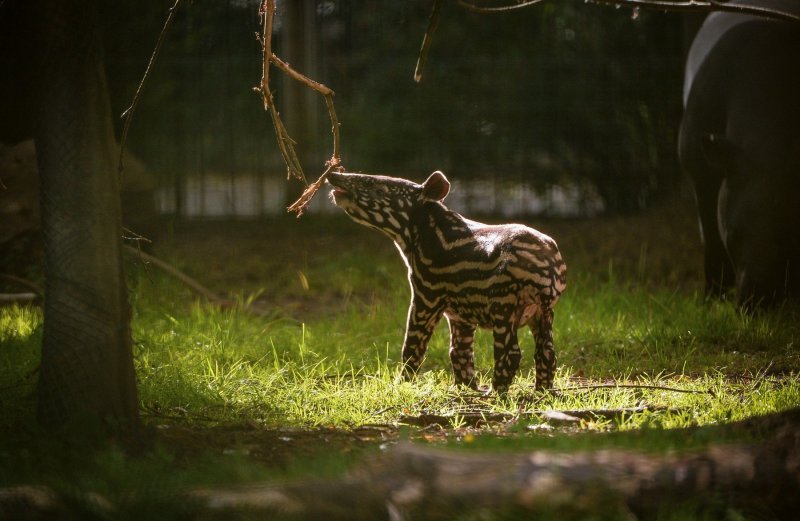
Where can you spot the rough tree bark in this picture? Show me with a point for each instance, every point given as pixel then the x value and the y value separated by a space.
pixel 87 362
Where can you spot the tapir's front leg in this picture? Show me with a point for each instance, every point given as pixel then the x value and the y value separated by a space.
pixel 422 320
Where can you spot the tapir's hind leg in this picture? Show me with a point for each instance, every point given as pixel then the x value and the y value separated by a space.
pixel 545 356
pixel 506 356
pixel 462 336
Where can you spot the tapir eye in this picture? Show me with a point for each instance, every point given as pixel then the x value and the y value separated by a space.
pixel 381 190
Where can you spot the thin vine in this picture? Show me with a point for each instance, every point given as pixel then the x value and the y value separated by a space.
pixel 128 113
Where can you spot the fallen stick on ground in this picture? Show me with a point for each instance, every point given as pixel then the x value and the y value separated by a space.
pixel 635 386
pixel 192 284
pixel 477 418
pixel 32 287
pixel 7 299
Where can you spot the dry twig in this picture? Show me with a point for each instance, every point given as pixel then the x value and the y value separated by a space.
pixel 694 6
pixel 34 294
pixel 636 386
pixel 304 200
pixel 433 22
pixel 7 299
pixel 705 6
pixel 192 284
pixel 128 113
pixel 31 286
pixel 498 9
pixel 478 418
pixel 285 142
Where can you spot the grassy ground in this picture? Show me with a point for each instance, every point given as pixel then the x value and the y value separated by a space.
pixel 229 396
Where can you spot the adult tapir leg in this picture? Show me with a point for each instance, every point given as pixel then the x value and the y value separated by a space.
pixel 707 180
pixel 740 144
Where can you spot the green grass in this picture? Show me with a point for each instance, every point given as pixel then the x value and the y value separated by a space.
pixel 235 397
pixel 342 371
pixel 198 363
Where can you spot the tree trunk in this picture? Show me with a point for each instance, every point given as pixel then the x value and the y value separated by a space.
pixel 87 363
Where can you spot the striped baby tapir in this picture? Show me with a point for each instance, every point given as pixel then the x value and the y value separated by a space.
pixel 499 277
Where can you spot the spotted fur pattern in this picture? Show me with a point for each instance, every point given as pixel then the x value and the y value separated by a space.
pixel 499 277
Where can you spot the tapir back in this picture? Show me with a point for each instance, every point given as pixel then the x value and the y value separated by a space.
pixel 740 144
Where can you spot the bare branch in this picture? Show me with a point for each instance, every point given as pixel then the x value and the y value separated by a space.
pixel 499 9
pixel 285 67
pixel 286 143
pixel 479 418
pixel 433 22
pixel 7 299
pixel 635 386
pixel 31 286
pixel 334 129
pixel 268 12
pixel 300 206
pixel 128 113
pixel 192 284
pixel 704 6
pixel 695 6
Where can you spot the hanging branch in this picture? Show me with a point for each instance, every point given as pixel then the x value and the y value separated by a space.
pixel 327 92
pixel 695 6
pixel 285 142
pixel 704 6
pixel 433 22
pixel 499 9
pixel 128 113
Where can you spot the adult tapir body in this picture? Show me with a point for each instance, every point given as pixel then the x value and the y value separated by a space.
pixel 740 144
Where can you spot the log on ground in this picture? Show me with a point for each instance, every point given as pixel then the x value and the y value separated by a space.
pixel 413 482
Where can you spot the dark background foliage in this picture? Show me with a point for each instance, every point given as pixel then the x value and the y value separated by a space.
pixel 558 93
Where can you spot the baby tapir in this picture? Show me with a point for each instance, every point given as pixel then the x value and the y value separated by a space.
pixel 498 277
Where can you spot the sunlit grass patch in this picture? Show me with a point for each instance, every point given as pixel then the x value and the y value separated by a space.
pixel 20 337
pixel 607 328
pixel 330 352
pixel 312 384
pixel 199 363
pixel 206 364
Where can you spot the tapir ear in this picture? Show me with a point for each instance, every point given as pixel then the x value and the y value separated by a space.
pixel 719 152
pixel 436 187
